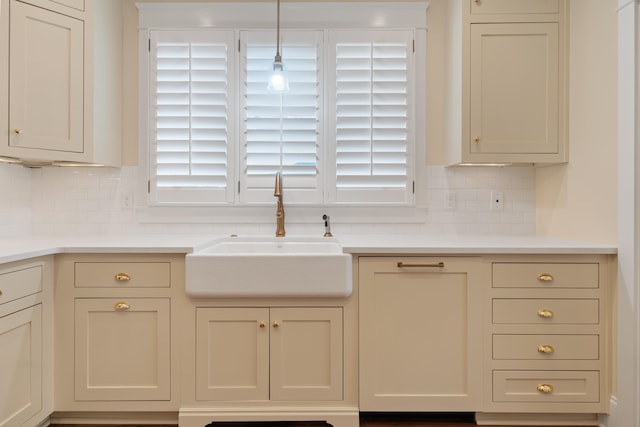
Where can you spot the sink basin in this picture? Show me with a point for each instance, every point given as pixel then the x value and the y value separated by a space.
pixel 270 267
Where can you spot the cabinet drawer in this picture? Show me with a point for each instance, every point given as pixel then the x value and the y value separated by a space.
pixel 546 386
pixel 546 311
pixel 486 7
pixel 122 274
pixel 545 275
pixel 18 283
pixel 545 347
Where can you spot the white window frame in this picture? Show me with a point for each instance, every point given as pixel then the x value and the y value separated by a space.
pixel 391 15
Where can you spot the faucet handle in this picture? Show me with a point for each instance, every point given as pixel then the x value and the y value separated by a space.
pixel 327 226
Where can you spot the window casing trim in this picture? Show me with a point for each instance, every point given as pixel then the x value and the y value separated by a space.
pixel 357 15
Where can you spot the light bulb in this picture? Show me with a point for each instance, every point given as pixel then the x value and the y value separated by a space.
pixel 278 81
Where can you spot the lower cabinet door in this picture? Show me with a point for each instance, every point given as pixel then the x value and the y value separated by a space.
pixel 122 349
pixel 21 348
pixel 232 354
pixel 306 354
pixel 269 354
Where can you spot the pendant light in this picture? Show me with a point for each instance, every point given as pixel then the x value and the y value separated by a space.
pixel 278 81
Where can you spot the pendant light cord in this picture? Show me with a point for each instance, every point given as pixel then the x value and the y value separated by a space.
pixel 278 31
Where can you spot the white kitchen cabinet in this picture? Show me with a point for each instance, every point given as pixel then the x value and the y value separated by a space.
pixel 420 334
pixel 114 329
pixel 46 92
pixel 21 348
pixel 26 357
pixel 547 343
pixel 269 354
pixel 63 75
pixel 508 104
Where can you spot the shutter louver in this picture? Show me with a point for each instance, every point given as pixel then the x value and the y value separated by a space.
pixel 190 111
pixel 281 131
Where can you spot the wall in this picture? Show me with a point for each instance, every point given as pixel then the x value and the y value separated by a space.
pixel 578 200
pixel 91 200
pixel 15 200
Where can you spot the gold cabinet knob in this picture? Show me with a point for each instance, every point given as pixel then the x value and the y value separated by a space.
pixel 0 292
pixel 17 131
pixel 545 314
pixel 477 138
pixel 122 305
pixel 262 325
pixel 276 325
pixel 545 277
pixel 545 388
pixel 478 1
pixel 123 277
pixel 545 349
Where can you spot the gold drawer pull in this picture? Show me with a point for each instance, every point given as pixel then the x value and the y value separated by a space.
pixel 276 324
pixel 262 325
pixel 545 277
pixel 546 314
pixel 0 292
pixel 17 131
pixel 545 388
pixel 434 265
pixel 123 277
pixel 122 306
pixel 545 349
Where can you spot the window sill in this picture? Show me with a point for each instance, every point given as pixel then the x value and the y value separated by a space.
pixel 265 214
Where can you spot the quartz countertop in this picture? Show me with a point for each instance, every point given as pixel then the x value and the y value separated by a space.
pixel 18 248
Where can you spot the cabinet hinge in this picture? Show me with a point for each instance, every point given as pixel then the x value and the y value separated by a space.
pixel 149 187
pixel 238 45
pixel 149 45
pixel 238 187
pixel 413 185
pixel 414 46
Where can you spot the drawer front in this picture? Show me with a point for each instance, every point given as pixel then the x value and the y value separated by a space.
pixel 545 275
pixel 19 283
pixel 546 386
pixel 122 274
pixel 480 7
pixel 545 347
pixel 546 311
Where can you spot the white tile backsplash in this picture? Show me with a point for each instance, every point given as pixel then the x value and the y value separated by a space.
pixel 88 200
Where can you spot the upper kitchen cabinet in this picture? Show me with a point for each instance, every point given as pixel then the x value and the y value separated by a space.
pixel 64 77
pixel 508 82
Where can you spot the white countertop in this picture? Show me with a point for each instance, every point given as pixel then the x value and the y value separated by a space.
pixel 18 248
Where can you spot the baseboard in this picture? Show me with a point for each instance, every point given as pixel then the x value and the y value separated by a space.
pixel 500 419
pixel 118 418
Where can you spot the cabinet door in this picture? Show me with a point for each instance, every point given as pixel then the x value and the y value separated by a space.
pixel 514 89
pixel 479 7
pixel 232 354
pixel 420 334
pixel 122 349
pixel 306 353
pixel 20 349
pixel 46 79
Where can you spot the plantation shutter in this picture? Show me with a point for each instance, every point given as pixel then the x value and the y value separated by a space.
pixel 372 90
pixel 280 132
pixel 191 110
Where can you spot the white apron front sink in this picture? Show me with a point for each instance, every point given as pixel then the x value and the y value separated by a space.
pixel 270 267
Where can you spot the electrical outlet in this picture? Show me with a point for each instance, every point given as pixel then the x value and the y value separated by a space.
pixel 126 201
pixel 497 200
pixel 449 200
